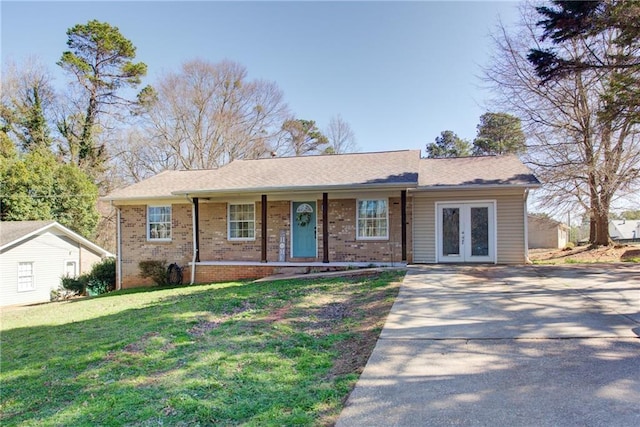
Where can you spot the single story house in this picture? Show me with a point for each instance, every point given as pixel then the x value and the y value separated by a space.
pixel 35 255
pixel 624 229
pixel 251 218
pixel 547 233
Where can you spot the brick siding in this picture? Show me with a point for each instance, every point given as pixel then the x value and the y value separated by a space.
pixel 214 246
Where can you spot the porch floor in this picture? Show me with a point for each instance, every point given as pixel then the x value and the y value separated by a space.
pixel 301 264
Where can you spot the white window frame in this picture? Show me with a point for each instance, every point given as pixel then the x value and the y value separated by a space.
pixel 75 267
pixel 32 282
pixel 252 227
pixel 358 236
pixel 159 239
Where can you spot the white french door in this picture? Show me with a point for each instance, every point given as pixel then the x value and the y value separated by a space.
pixel 466 232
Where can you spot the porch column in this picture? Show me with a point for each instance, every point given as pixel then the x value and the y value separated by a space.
pixel 196 228
pixel 264 228
pixel 325 227
pixel 403 218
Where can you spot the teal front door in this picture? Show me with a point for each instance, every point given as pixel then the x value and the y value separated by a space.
pixel 303 230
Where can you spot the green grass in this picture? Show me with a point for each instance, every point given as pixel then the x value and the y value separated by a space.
pixel 273 353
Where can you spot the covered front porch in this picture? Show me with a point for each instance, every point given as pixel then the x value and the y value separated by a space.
pixel 330 227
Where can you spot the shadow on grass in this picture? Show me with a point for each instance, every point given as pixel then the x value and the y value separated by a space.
pixel 206 355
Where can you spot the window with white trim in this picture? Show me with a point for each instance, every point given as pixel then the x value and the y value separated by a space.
pixel 26 280
pixel 373 219
pixel 159 223
pixel 242 221
pixel 71 268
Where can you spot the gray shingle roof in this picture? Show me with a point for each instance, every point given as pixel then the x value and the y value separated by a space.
pixel 284 173
pixel 13 230
pixel 159 186
pixel 375 169
pixel 347 171
pixel 472 171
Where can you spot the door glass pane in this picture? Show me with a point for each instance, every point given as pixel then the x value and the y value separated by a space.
pixel 480 231
pixel 450 231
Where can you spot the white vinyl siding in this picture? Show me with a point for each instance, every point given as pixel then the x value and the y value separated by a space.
pixel 159 223
pixel 372 219
pixel 26 279
pixel 509 222
pixel 49 253
pixel 242 221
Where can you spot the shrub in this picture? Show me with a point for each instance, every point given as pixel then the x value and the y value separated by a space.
pixel 155 270
pixel 569 246
pixel 75 284
pixel 102 278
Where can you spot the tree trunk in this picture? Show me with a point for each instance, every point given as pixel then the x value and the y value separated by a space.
pixel 602 230
pixel 87 155
pixel 593 207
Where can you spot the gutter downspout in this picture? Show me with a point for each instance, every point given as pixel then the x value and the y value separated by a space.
pixel 195 243
pixel 526 228
pixel 118 249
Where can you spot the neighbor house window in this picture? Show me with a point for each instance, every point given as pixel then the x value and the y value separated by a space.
pixel 26 281
pixel 159 223
pixel 71 268
pixel 373 219
pixel 242 222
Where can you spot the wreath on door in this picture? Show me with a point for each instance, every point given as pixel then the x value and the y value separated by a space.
pixel 303 218
pixel 303 214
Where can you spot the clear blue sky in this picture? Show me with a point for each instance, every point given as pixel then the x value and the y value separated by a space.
pixel 398 73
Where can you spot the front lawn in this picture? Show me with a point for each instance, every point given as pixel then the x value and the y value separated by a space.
pixel 272 353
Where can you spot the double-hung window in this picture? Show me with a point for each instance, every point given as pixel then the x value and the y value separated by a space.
pixel 373 219
pixel 159 223
pixel 242 221
pixel 26 280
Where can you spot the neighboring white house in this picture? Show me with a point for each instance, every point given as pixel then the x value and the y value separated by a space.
pixel 34 255
pixel 622 229
pixel 546 233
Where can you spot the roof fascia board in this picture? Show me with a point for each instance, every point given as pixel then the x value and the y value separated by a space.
pixel 154 199
pixel 298 189
pixel 472 187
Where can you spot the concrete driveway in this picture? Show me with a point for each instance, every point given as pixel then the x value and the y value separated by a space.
pixel 506 346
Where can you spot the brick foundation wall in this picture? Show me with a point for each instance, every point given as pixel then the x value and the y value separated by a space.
pixel 228 273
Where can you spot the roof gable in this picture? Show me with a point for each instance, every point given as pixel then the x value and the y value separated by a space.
pixel 11 231
pixel 14 232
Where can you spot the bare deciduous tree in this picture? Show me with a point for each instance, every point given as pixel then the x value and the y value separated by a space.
pixel 27 98
pixel 582 155
pixel 341 137
pixel 207 115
